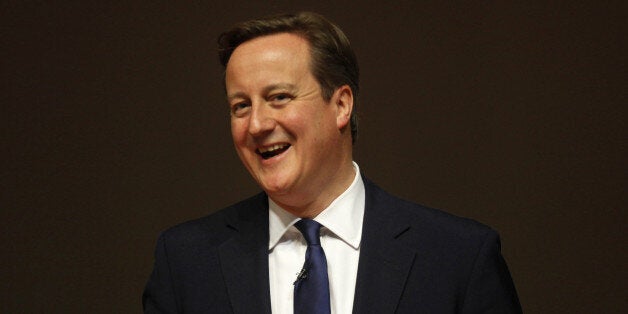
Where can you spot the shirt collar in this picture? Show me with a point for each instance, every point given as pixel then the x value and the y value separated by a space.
pixel 343 217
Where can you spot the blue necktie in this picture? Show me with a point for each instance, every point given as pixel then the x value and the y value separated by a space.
pixel 311 289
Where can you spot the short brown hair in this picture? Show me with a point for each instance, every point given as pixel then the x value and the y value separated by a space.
pixel 333 61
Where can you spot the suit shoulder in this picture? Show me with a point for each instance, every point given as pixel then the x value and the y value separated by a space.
pixel 214 226
pixel 429 220
pixel 446 221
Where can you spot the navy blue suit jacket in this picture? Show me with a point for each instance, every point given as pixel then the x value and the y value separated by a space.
pixel 413 259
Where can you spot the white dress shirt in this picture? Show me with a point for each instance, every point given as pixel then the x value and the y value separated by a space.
pixel 340 238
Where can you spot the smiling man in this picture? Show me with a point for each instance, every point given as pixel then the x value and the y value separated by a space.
pixel 320 238
pixel 295 143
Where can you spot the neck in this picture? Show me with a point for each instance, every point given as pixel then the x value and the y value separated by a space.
pixel 310 207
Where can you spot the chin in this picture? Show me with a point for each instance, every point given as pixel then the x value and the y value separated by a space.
pixel 275 186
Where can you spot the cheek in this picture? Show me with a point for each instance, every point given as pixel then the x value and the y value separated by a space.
pixel 238 131
pixel 292 123
pixel 303 119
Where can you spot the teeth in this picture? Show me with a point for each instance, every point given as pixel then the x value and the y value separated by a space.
pixel 272 148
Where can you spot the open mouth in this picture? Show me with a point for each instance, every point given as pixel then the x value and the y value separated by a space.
pixel 272 151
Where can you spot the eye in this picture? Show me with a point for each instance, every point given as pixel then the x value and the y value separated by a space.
pixel 239 109
pixel 281 98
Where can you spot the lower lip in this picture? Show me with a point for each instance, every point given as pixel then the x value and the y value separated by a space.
pixel 275 158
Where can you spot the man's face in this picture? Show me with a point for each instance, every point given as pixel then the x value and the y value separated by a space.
pixel 285 133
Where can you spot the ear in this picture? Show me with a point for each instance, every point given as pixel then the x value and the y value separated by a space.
pixel 343 100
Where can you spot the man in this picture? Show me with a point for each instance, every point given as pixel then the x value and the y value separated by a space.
pixel 320 236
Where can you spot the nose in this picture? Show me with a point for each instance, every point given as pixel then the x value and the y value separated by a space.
pixel 261 119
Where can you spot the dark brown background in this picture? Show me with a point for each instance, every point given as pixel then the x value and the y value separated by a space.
pixel 114 127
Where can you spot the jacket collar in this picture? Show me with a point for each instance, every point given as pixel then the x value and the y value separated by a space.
pixel 244 257
pixel 382 270
pixel 384 262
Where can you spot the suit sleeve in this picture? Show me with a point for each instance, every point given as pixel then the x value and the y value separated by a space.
pixel 159 295
pixel 490 288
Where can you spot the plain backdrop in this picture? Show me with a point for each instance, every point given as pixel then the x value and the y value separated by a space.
pixel 114 127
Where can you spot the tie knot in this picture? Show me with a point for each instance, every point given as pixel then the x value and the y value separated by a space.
pixel 310 230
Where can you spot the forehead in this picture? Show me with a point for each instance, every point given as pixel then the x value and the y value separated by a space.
pixel 276 50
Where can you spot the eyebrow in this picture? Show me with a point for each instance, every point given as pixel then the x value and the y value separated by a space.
pixel 266 90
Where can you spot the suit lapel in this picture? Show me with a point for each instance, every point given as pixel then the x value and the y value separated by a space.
pixel 384 263
pixel 244 259
pixel 382 271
